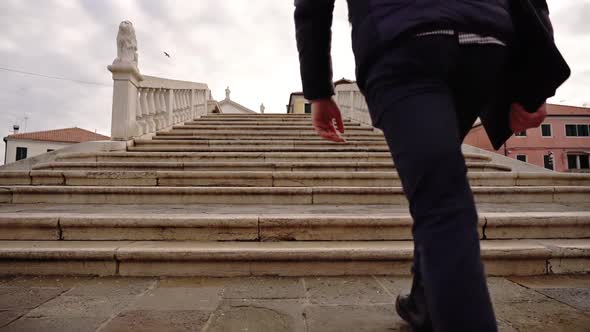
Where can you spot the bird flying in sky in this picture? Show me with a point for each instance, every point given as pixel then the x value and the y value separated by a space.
pixel 166 54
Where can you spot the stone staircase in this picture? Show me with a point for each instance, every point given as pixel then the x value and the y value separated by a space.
pixel 227 195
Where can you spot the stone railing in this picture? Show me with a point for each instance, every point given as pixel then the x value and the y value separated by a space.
pixel 352 103
pixel 143 105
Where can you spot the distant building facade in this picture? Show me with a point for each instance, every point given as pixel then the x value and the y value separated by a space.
pixel 228 106
pixel 299 105
pixel 562 143
pixel 25 145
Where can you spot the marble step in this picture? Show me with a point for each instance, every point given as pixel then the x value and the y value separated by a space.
pixel 76 225
pixel 273 195
pixel 256 116
pixel 268 178
pixel 228 156
pixel 254 132
pixel 259 148
pixel 240 156
pixel 249 142
pixel 160 136
pixel 293 258
pixel 289 127
pixel 282 166
pixel 268 122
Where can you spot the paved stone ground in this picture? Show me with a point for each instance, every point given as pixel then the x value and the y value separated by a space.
pixel 266 304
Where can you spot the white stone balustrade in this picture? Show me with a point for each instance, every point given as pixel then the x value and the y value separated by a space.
pixel 143 105
pixel 352 103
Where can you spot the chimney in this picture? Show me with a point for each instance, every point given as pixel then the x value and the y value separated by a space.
pixel 15 129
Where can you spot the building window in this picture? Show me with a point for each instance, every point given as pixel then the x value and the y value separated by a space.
pixel 49 150
pixel 521 157
pixel 520 134
pixel 21 153
pixel 578 161
pixel 546 130
pixel 307 108
pixel 577 130
pixel 548 161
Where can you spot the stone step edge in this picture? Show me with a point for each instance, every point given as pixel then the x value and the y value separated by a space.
pixel 247 142
pixel 260 133
pixel 242 154
pixel 506 257
pixel 271 126
pixel 167 137
pixel 265 227
pixel 256 149
pixel 358 166
pixel 268 178
pixel 273 195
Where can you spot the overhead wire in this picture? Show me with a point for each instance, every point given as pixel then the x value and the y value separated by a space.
pixel 54 77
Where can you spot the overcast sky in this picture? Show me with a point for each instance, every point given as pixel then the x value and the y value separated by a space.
pixel 246 45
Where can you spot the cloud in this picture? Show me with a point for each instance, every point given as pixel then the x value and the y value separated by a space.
pixel 246 45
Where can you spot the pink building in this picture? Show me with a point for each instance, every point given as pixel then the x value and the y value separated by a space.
pixel 562 143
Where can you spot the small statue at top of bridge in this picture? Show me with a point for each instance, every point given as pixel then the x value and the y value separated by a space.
pixel 126 44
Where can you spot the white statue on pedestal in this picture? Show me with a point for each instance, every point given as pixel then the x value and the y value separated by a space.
pixel 262 108
pixel 126 44
pixel 227 93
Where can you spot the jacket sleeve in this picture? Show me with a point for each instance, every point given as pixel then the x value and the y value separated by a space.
pixel 313 30
pixel 543 9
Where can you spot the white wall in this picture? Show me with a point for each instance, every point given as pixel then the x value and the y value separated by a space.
pixel 34 148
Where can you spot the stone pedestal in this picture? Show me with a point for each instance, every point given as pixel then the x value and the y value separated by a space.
pixel 126 78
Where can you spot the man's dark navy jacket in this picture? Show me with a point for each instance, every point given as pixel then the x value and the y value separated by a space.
pixel 377 24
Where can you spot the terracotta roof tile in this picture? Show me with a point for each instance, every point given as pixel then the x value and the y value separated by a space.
pixel 67 135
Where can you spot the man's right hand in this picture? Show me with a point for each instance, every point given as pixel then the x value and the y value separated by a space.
pixel 323 114
pixel 521 120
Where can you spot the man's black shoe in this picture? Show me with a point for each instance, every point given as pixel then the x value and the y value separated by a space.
pixel 414 314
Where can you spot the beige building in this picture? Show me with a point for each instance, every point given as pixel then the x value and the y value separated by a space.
pixel 26 145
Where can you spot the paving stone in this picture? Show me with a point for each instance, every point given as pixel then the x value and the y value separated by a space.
pixel 180 298
pixel 70 324
pixel 550 316
pixel 192 282
pixel 396 285
pixel 5 280
pixel 47 281
pixel 7 316
pixel 337 318
pixel 26 298
pixel 264 288
pixel 554 281
pixel 81 306
pixel 112 286
pixel 504 291
pixel 505 326
pixel 576 297
pixel 339 290
pixel 258 315
pixel 158 321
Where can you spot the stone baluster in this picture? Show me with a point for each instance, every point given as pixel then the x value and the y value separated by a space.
pixel 143 102
pixel 162 108
pixel 170 107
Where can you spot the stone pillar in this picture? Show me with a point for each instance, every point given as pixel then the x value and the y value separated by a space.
pixel 126 77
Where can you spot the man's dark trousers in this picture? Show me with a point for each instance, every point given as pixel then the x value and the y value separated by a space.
pixel 425 93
